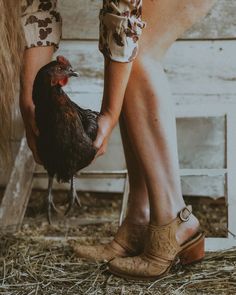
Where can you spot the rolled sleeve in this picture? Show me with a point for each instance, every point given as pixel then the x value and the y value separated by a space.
pixel 41 23
pixel 120 28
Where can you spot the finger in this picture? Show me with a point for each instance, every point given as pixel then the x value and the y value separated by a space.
pixel 35 128
pixel 37 159
pixel 36 156
pixel 33 148
pixel 98 141
pixel 101 151
pixel 98 154
pixel 32 122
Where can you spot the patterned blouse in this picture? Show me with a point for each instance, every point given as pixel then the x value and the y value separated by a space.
pixel 120 26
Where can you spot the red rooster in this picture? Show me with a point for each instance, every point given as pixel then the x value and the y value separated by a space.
pixel 66 131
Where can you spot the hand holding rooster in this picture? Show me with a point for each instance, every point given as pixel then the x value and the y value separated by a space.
pixel 31 131
pixel 105 126
pixel 34 59
pixel 115 82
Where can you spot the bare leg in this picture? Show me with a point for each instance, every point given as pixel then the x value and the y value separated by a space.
pixel 149 117
pixel 138 210
pixel 148 110
pixel 150 122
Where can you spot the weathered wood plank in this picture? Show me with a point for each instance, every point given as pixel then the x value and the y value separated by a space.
pixel 18 190
pixel 201 142
pixel 220 244
pixel 213 187
pixel 80 20
pixel 218 24
pixel 194 185
pixel 198 69
pixel 231 165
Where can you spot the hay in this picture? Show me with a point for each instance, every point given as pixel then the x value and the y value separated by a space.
pixel 30 266
pixel 39 260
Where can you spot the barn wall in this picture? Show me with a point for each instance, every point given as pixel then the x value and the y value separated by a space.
pixel 81 21
pixel 201 69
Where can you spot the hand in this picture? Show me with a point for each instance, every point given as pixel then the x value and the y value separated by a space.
pixel 31 130
pixel 105 126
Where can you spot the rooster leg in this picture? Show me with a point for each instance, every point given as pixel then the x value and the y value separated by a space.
pixel 50 200
pixel 73 197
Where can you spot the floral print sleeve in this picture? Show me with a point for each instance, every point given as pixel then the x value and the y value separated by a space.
pixel 41 23
pixel 120 28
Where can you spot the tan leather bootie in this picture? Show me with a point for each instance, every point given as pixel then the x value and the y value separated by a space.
pixel 161 251
pixel 130 237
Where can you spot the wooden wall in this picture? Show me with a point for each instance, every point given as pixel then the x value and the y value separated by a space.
pixel 81 21
pixel 201 69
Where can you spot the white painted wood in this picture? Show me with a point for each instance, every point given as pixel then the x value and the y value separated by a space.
pixel 41 173
pixel 203 110
pixel 193 68
pixel 106 185
pixel 201 142
pixel 219 244
pixel 198 186
pixel 231 166
pixel 201 67
pixel 18 189
pixel 80 20
pixel 125 199
pixel 203 172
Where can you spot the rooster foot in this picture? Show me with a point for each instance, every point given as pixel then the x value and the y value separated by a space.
pixel 51 204
pixel 73 197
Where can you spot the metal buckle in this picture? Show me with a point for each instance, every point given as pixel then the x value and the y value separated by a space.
pixel 182 218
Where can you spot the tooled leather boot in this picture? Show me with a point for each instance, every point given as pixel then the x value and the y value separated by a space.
pixel 130 237
pixel 161 251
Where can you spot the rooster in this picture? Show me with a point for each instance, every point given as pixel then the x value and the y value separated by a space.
pixel 66 131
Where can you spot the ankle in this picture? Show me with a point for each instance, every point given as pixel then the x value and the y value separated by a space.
pixel 166 215
pixel 187 229
pixel 141 216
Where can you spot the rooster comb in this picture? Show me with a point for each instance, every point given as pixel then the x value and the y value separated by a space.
pixel 61 59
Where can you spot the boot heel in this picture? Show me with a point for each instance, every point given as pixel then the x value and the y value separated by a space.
pixel 194 252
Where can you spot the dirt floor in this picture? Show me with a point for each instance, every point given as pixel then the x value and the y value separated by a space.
pixel 38 259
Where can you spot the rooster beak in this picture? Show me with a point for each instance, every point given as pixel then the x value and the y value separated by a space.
pixel 73 74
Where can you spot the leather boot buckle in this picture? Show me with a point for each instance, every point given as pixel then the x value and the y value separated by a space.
pixel 183 217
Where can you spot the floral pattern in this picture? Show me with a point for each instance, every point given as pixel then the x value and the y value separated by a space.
pixel 41 22
pixel 120 28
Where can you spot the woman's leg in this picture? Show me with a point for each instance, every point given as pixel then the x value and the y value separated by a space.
pixel 138 209
pixel 148 110
pixel 150 121
pixel 189 13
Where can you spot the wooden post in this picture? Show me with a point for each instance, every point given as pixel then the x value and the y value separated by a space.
pixel 18 190
pixel 125 199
